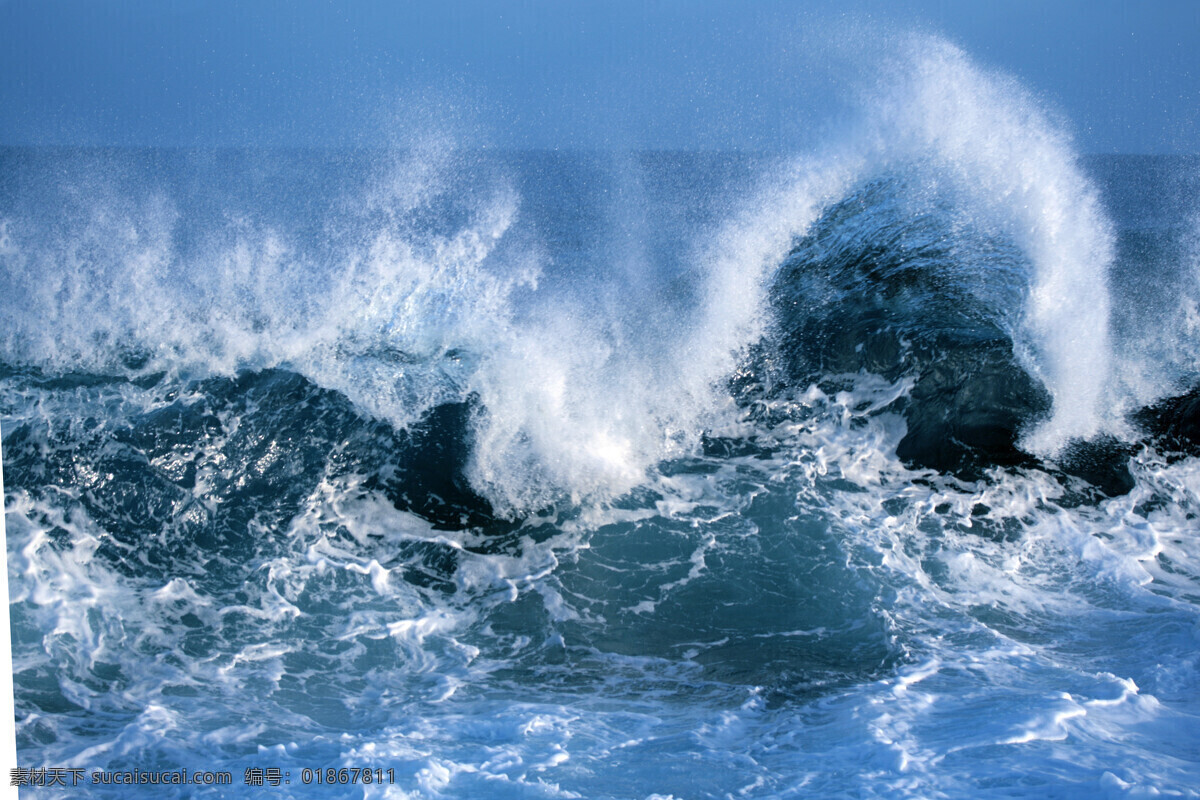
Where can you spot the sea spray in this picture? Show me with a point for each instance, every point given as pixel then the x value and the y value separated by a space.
pixel 981 144
pixel 411 292
pixel 437 495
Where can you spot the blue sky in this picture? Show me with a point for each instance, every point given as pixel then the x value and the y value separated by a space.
pixel 680 75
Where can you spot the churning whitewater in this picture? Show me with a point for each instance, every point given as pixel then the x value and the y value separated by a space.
pixel 867 472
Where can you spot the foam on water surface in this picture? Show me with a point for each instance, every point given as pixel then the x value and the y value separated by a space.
pixel 446 464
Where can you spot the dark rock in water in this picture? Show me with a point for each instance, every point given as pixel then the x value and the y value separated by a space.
pixel 1103 463
pixel 1174 423
pixel 875 289
pixel 430 480
pixel 967 408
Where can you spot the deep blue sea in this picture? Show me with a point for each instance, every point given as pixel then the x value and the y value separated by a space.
pixel 871 472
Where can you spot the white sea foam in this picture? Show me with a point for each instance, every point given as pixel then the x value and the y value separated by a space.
pixel 373 315
pixel 809 619
pixel 595 407
pixel 579 396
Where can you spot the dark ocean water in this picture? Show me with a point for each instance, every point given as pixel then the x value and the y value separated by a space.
pixel 870 473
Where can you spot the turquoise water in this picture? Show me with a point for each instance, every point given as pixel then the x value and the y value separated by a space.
pixel 870 473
